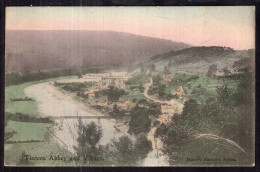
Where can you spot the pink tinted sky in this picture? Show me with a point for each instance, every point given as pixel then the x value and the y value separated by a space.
pixel 200 26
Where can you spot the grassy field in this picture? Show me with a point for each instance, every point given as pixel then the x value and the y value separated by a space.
pixel 204 87
pixel 198 87
pixel 27 131
pixel 17 91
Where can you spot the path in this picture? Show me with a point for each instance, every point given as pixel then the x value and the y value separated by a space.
pixel 156 156
pixel 147 85
pixel 212 136
pixel 179 106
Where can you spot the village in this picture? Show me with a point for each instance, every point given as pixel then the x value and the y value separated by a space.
pixel 104 81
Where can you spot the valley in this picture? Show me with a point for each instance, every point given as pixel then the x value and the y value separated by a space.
pixel 160 114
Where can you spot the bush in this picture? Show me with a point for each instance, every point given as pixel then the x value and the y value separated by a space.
pixel 75 87
pixel 27 118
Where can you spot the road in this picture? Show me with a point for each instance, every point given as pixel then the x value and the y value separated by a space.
pixel 147 85
pixel 156 156
pixel 179 106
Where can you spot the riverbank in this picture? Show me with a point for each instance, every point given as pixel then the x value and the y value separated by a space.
pixel 69 97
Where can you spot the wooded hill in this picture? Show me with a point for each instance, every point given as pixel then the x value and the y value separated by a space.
pixel 33 50
pixel 196 60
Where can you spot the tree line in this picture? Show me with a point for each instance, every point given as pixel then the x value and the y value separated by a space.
pixel 15 78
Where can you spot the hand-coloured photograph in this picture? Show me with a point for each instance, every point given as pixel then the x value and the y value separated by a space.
pixel 130 86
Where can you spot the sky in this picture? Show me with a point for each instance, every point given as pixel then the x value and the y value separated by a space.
pixel 199 26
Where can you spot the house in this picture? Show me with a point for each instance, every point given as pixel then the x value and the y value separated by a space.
pixel 168 109
pixel 90 94
pixel 164 118
pixel 119 85
pixel 97 87
pixel 167 79
pixel 179 92
pixel 226 71
pixel 124 105
pixel 102 103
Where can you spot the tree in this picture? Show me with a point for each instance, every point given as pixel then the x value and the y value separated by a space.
pixel 226 71
pixel 242 64
pixel 140 121
pixel 212 70
pixel 152 68
pixel 115 110
pixel 161 91
pixel 113 93
pixel 190 108
pixel 125 148
pixel 141 88
pixel 79 75
pixel 157 79
pixel 224 94
pixel 244 94
pixel 88 137
pixel 166 70
pixel 93 134
pixel 97 94
pixel 143 146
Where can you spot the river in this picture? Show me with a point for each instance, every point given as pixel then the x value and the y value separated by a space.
pixel 64 133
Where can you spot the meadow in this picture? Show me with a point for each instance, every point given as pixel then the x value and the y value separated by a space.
pixel 27 131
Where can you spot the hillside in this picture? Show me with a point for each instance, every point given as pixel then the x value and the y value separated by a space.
pixel 197 60
pixel 33 50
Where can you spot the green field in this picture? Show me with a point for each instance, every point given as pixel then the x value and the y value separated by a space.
pixel 27 131
pixel 198 87
pixel 204 87
pixel 17 91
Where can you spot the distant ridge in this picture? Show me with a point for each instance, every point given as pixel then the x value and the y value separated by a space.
pixel 196 60
pixel 38 50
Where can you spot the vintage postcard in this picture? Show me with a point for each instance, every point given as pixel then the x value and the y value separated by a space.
pixel 130 86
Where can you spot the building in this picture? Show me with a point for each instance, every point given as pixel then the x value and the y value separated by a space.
pixel 166 109
pixel 179 92
pixel 164 118
pixel 124 105
pixel 167 79
pixel 102 103
pixel 90 94
pixel 97 86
